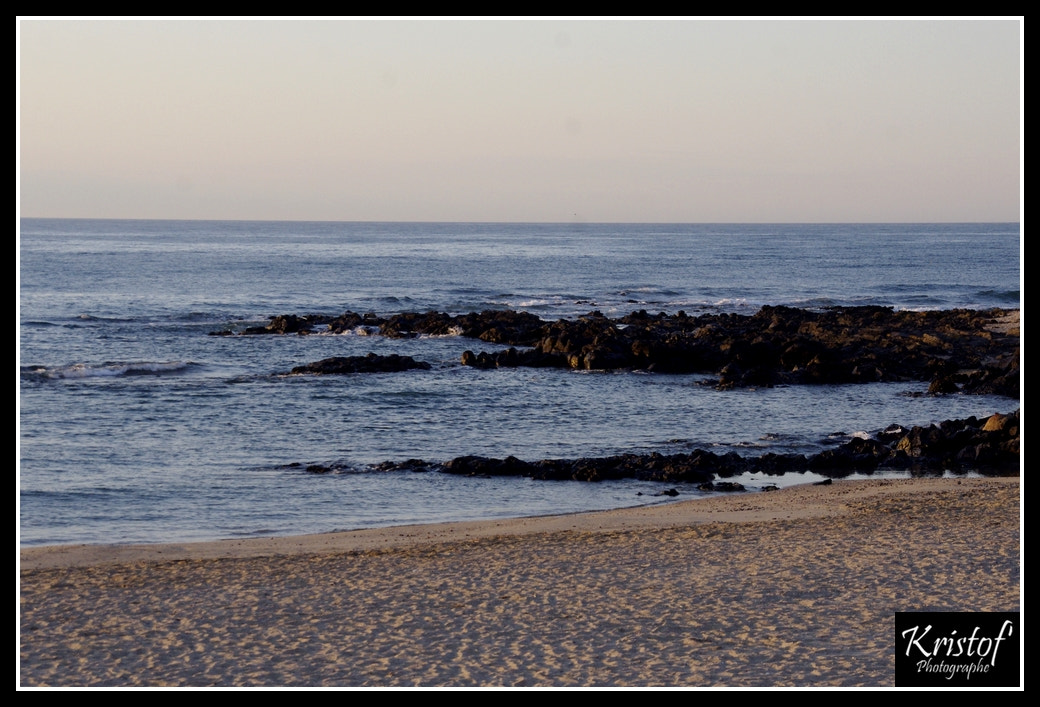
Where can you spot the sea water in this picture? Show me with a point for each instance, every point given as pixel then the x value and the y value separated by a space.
pixel 137 425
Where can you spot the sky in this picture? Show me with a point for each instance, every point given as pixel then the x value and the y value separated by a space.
pixel 615 120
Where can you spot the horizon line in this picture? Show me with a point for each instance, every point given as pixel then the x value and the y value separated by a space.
pixel 514 222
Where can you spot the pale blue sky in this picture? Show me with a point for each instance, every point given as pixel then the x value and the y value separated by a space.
pixel 448 120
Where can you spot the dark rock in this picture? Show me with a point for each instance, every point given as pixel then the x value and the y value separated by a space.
pixel 486 466
pixel 855 455
pixel 783 345
pixel 289 324
pixel 722 487
pixel 772 463
pixel 416 465
pixel 952 349
pixel 372 363
pixel 942 385
pixel 990 446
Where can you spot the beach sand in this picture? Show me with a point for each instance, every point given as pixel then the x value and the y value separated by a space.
pixel 797 587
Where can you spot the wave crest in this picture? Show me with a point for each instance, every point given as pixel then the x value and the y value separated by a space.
pixel 108 369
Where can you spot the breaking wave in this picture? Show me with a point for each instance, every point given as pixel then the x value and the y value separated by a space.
pixel 105 370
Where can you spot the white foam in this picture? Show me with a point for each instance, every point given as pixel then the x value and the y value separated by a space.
pixel 112 370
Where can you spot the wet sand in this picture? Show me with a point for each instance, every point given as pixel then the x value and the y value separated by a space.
pixel 796 587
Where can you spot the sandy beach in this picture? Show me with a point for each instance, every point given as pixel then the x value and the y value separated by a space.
pixel 796 587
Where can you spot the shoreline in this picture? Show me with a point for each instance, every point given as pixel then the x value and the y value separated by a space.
pixel 729 508
pixel 791 587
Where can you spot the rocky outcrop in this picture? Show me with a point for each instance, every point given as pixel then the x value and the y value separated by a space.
pixel 493 326
pixel 957 350
pixel 288 324
pixel 372 363
pixel 953 349
pixel 987 446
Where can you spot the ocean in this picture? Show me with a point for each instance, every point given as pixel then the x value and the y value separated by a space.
pixel 138 426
